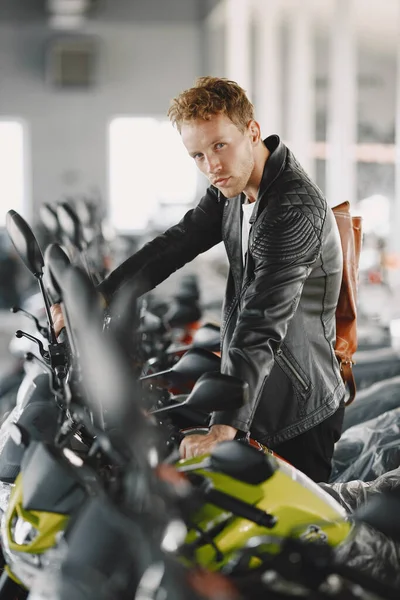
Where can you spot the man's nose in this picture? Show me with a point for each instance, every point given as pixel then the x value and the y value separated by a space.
pixel 213 165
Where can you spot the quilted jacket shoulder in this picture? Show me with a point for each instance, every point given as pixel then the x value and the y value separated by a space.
pixel 290 227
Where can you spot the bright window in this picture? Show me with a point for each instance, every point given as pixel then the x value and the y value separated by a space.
pixel 12 176
pixel 148 169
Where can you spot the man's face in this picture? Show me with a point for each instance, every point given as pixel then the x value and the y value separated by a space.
pixel 221 151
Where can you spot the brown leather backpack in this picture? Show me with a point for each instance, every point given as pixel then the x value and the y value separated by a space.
pixel 346 311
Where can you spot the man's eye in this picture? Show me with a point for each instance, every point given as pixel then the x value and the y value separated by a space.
pixel 198 156
pixel 219 145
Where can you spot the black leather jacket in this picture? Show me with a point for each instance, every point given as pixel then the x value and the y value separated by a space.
pixel 278 330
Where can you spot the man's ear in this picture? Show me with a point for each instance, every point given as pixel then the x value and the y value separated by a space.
pixel 254 131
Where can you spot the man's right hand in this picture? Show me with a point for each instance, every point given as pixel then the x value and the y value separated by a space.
pixel 58 318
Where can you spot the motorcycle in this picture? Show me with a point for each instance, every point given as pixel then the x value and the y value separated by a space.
pixel 241 491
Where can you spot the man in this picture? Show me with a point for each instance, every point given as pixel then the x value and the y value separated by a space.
pixel 278 329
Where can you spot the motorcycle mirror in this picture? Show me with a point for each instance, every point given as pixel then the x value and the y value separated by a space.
pixel 381 512
pixel 243 462
pixel 25 243
pixel 213 392
pixel 189 287
pixel 83 211
pixel 180 313
pixel 70 224
pixel 106 369
pixel 57 262
pixel 31 255
pixel 216 391
pixel 150 323
pixel 194 363
pixel 208 336
pixel 49 218
pixel 81 299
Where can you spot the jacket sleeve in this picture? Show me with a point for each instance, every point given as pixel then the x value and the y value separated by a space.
pixel 198 231
pixel 284 249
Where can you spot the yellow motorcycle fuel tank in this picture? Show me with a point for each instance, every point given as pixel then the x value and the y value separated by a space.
pixel 299 506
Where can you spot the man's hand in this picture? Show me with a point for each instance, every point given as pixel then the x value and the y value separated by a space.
pixel 196 445
pixel 57 318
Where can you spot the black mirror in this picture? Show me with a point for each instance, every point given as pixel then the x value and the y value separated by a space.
pixel 49 218
pixel 25 243
pixel 83 211
pixel 213 392
pixel 81 299
pixel 194 363
pixel 57 262
pixel 382 513
pixel 31 255
pixel 150 323
pixel 216 391
pixel 106 370
pixel 208 337
pixel 70 224
pixel 182 313
pixel 189 289
pixel 243 462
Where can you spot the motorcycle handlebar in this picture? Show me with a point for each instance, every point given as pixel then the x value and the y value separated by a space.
pixel 240 508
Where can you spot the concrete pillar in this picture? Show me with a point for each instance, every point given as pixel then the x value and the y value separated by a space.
pixel 237 40
pixel 301 85
pixel 214 41
pixel 268 66
pixel 342 107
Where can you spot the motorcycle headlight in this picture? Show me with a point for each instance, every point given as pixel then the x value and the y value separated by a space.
pixel 22 532
pixel 26 566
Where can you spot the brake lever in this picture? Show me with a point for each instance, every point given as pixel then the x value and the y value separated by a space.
pixel 43 353
pixel 41 328
pixel 30 357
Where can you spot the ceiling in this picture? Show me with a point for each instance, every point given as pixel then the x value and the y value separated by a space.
pixel 376 22
pixel 24 11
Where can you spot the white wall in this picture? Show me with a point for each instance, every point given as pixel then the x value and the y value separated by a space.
pixel 141 67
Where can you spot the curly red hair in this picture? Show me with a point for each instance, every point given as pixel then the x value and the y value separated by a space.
pixel 211 96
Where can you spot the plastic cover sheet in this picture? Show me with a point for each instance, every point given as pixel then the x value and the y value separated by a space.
pixel 372 553
pixel 372 402
pixel 368 550
pixel 368 450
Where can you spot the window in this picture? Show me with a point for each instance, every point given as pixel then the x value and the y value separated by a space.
pixel 12 168
pixel 149 169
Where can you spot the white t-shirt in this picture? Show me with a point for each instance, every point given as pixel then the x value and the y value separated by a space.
pixel 247 212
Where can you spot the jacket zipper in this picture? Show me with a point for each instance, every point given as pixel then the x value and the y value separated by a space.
pixel 292 368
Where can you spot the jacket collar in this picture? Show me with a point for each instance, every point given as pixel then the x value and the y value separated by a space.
pixel 272 169
pixel 232 220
